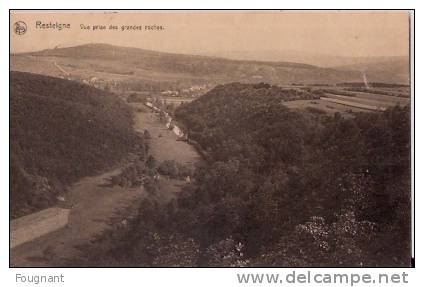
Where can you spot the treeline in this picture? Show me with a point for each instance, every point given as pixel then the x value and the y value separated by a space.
pixel 61 131
pixel 372 84
pixel 281 188
pixel 339 92
pixel 378 92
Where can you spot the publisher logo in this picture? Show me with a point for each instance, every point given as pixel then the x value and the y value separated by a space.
pixel 20 28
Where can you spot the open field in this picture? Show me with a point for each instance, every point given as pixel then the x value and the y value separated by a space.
pixel 123 69
pixel 106 70
pixel 386 92
pixel 371 102
pixel 353 104
pixel 348 102
pixel 325 106
pixel 401 90
pixel 383 98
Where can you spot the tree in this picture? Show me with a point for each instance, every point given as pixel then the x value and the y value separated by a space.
pixel 226 253
pixel 151 162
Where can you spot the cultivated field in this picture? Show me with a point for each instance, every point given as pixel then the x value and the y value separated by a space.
pixel 324 106
pixel 383 98
pixel 348 102
pixel 357 104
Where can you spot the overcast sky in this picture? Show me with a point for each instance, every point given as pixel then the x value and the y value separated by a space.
pixel 357 34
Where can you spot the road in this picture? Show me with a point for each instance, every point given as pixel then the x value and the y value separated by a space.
pixel 61 69
pixel 93 205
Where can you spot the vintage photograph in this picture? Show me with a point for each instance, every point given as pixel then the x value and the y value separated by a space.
pixel 211 138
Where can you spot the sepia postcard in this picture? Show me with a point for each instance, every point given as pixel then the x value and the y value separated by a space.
pixel 209 138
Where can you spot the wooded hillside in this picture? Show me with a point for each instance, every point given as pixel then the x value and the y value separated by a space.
pixel 61 131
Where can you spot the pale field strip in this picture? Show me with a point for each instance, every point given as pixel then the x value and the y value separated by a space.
pixel 325 106
pixel 364 101
pixel 353 104
pixel 383 98
pixel 401 91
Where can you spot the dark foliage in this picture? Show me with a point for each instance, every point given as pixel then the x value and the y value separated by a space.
pixel 378 92
pixel 174 169
pixel 136 98
pixel 372 84
pixel 274 169
pixel 61 131
pixel 281 188
pixel 339 92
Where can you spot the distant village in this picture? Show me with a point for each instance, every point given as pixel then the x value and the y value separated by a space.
pixel 193 91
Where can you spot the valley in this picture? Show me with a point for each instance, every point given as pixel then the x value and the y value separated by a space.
pixel 258 159
pixel 95 205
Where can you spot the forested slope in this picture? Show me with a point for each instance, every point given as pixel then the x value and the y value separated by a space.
pixel 61 131
pixel 280 188
pixel 336 188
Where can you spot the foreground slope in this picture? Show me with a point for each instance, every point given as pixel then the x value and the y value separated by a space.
pixel 61 131
pixel 301 188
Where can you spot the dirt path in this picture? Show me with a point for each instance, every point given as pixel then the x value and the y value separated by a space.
pixel 94 204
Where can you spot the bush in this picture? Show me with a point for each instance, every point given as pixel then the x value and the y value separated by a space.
pixel 150 185
pixel 169 168
pixel 174 169
pixel 136 98
pixel 151 162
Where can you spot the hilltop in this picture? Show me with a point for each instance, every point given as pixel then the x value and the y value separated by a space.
pixel 160 70
pixel 139 69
